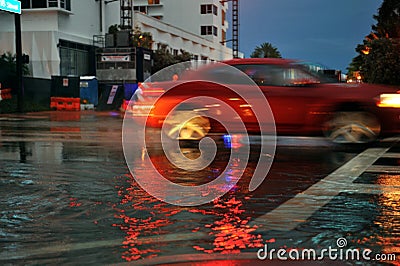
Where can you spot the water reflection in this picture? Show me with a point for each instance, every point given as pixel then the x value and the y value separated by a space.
pixel 388 219
pixel 153 228
pixel 230 231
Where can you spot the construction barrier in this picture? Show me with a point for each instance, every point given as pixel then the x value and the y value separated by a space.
pixel 67 104
pixel 5 94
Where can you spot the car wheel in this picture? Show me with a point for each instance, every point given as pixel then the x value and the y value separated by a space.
pixel 186 125
pixel 352 127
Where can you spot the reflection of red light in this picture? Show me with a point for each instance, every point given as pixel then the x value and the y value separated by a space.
pixel 232 234
pixel 73 202
pixel 142 229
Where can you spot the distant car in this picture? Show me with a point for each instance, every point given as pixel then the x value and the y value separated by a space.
pixel 302 103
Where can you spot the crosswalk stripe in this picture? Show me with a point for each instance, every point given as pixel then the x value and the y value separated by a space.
pixel 298 209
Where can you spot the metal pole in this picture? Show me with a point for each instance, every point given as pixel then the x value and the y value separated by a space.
pixel 18 46
pixel 235 28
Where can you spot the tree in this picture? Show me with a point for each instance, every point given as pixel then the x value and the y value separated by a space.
pixel 113 29
pixel 164 58
pixel 142 39
pixel 379 55
pixel 8 70
pixel 266 50
pixel 382 63
pixel 388 20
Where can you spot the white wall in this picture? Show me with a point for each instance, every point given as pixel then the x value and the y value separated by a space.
pixel 43 28
pixel 177 38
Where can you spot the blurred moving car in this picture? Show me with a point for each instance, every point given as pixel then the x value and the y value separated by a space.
pixel 302 102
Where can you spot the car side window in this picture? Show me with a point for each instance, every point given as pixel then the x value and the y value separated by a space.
pixel 223 75
pixel 263 75
pixel 297 77
pixel 274 75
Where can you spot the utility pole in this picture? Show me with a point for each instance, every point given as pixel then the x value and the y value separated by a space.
pixel 235 27
pixel 18 46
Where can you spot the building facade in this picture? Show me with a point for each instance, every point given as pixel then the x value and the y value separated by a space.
pixel 58 35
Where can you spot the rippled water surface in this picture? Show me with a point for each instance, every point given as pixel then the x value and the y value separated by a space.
pixel 67 196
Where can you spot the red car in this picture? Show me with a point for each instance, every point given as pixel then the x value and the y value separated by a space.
pixel 303 102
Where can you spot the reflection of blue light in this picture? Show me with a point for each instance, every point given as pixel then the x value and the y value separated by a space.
pixel 114 114
pixel 228 178
pixel 228 141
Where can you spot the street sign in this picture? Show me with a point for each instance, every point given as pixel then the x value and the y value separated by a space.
pixel 12 6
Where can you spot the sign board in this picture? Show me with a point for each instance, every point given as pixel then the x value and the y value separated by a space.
pixel 147 57
pixel 84 84
pixel 115 58
pixel 65 80
pixel 113 92
pixel 12 6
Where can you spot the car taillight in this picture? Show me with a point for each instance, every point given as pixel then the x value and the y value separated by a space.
pixel 389 100
pixel 143 100
pixel 148 90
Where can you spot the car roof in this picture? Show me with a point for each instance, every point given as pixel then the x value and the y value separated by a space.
pixel 269 61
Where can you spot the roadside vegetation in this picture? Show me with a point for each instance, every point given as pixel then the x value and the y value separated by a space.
pixel 378 59
pixel 266 50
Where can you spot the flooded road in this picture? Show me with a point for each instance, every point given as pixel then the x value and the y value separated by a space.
pixel 67 196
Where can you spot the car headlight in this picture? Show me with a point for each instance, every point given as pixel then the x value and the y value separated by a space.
pixel 389 100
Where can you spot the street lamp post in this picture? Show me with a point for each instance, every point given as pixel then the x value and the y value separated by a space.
pixel 14 6
pixel 235 26
pixel 18 46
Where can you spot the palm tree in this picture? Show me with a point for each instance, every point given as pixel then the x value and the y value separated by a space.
pixel 265 50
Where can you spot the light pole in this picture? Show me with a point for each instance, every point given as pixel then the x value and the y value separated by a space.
pixel 14 6
pixel 18 47
pixel 235 26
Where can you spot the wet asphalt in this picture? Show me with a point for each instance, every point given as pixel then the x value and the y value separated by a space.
pixel 67 196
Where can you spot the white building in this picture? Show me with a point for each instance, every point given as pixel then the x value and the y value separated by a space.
pixel 197 26
pixel 58 34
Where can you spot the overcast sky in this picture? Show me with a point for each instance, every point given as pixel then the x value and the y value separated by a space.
pixel 322 31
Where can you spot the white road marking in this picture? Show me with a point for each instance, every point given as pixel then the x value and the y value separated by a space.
pixel 386 169
pixel 298 209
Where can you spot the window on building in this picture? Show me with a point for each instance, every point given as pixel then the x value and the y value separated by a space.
pixel 209 9
pixel 25 4
pixel 223 17
pixel 153 2
pixel 206 30
pixel 215 10
pixel 176 52
pixel 28 4
pixel 209 30
pixel 68 5
pixel 141 9
pixel 39 4
pixel 74 59
pixel 53 3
